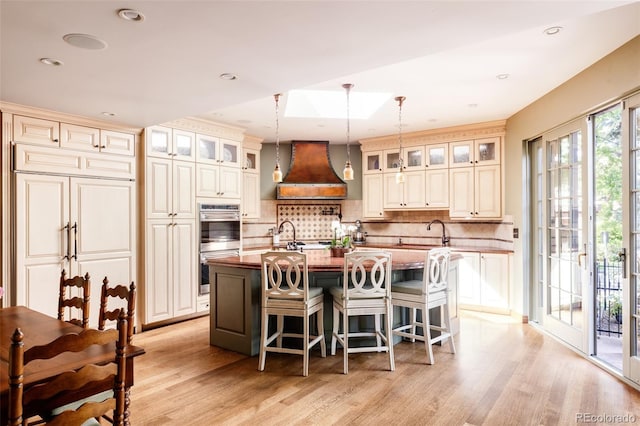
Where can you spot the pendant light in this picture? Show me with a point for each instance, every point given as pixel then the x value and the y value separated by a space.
pixel 347 173
pixel 400 175
pixel 277 173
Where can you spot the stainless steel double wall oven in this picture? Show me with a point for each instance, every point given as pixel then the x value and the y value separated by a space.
pixel 219 236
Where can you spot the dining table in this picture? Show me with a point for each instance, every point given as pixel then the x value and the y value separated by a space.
pixel 39 329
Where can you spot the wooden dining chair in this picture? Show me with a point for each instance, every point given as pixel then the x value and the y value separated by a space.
pixel 432 291
pixel 121 297
pixel 366 291
pixel 286 293
pixel 67 300
pixel 41 401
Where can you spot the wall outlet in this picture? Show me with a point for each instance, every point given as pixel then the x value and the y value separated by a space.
pixel 516 232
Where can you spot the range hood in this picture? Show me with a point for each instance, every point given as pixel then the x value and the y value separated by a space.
pixel 310 174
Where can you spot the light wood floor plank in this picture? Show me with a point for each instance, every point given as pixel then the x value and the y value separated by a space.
pixel 504 373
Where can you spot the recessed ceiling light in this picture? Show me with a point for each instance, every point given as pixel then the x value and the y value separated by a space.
pixel 85 41
pixel 472 105
pixel 552 30
pixel 228 76
pixel 502 76
pixel 131 15
pixel 51 61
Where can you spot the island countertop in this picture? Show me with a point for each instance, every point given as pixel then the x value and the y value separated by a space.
pixel 321 260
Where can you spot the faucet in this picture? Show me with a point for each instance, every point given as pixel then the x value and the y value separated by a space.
pixel 292 227
pixel 445 239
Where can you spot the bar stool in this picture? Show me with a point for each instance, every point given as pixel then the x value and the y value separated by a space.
pixel 430 292
pixel 286 292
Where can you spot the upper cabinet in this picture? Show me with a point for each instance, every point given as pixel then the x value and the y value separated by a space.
pixel 457 169
pixel 372 162
pixel 251 184
pixel 437 156
pixel 164 142
pixel 223 152
pixel 56 134
pixel 478 152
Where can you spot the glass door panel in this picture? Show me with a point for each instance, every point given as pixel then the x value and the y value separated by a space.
pixel 566 275
pixel 630 316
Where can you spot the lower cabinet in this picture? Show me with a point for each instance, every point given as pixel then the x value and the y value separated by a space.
pixel 484 282
pixel 171 269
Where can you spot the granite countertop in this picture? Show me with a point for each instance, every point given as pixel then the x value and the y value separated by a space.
pixel 321 260
pixel 403 246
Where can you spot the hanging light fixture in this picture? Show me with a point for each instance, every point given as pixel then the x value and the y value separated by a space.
pixel 400 175
pixel 347 173
pixel 277 173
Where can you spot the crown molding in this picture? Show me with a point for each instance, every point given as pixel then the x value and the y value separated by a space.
pixel 211 128
pixel 445 134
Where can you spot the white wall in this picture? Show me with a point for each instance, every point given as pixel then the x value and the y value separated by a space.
pixel 609 79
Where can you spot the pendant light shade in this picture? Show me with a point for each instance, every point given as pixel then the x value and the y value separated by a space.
pixel 277 173
pixel 347 173
pixel 400 177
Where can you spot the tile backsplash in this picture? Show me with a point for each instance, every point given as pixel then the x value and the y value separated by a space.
pixel 312 221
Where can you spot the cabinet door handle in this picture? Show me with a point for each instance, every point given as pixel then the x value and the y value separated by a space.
pixel 66 230
pixel 95 145
pixel 56 140
pixel 75 241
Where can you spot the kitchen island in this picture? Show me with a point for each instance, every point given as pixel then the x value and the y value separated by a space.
pixel 236 293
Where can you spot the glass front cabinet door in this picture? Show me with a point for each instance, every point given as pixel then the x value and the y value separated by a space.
pixel 437 156
pixel 372 162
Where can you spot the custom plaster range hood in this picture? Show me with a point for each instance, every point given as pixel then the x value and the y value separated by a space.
pixel 310 174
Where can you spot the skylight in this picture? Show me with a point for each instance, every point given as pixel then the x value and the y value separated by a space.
pixel 333 104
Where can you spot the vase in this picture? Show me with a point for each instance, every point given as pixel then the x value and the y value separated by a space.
pixel 339 251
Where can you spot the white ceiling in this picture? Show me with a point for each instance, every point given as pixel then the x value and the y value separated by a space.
pixel 443 56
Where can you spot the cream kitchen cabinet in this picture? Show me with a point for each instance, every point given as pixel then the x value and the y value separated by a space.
pixel 219 171
pixel 218 181
pixel 484 281
pixel 479 152
pixel 436 156
pixel 81 225
pixel 50 133
pixel 218 151
pixel 171 269
pixel 372 162
pixel 413 158
pixel 170 189
pixel 475 192
pixel 407 195
pixel 168 143
pixel 436 188
pixel 251 184
pixel 372 196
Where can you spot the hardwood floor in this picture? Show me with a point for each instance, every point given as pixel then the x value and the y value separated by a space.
pixel 504 373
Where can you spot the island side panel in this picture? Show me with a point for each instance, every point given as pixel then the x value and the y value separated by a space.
pixel 235 309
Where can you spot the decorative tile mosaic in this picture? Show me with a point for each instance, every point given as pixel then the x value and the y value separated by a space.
pixel 312 221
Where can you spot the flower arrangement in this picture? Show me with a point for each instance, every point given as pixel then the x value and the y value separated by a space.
pixel 341 241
